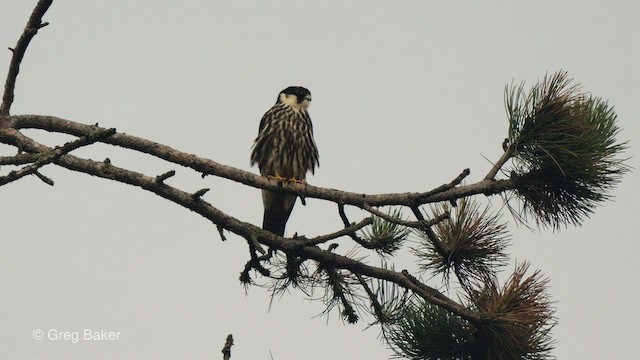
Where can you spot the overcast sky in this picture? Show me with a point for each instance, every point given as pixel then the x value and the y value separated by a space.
pixel 406 94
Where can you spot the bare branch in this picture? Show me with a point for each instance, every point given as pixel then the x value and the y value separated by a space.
pixel 508 154
pixel 375 304
pixel 19 159
pixel 455 182
pixel 344 232
pixel 444 192
pixel 437 244
pixel 50 156
pixel 420 224
pixel 364 243
pixel 34 23
pixel 44 179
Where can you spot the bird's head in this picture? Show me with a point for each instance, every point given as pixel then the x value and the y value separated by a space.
pixel 295 95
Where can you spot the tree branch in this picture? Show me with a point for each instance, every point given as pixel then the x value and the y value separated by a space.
pixel 437 244
pixel 378 310
pixel 33 25
pixel 19 159
pixel 344 232
pixel 243 229
pixel 50 156
pixel 491 175
pixel 444 192
pixel 420 224
pixel 364 243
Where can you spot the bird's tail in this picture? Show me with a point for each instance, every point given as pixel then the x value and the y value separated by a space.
pixel 277 210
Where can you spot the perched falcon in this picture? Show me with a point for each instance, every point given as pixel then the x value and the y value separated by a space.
pixel 284 149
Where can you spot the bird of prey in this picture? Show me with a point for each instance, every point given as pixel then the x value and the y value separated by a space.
pixel 284 149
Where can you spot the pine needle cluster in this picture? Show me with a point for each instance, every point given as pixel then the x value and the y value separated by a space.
pixel 386 237
pixel 515 323
pixel 564 150
pixel 474 242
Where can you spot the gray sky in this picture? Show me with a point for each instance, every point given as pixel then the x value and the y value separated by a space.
pixel 406 95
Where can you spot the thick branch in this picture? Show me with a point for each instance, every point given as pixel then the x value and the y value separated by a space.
pixel 33 25
pixel 19 159
pixel 442 193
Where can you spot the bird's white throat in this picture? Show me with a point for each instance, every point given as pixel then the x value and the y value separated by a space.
pixel 292 100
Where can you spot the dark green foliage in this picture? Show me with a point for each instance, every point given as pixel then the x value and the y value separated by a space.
pixel 474 242
pixel 426 331
pixel 515 325
pixel 387 301
pixel 564 150
pixel 385 236
pixel 518 316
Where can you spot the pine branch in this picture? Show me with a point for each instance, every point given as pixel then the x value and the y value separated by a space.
pixel 566 157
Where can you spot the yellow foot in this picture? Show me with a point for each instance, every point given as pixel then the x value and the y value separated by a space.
pixel 297 181
pixel 292 180
pixel 277 178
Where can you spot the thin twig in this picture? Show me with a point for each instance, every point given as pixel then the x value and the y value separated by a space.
pixel 420 224
pixel 44 179
pixel 437 244
pixel 364 243
pixel 377 307
pixel 343 232
pixel 221 232
pixel 444 187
